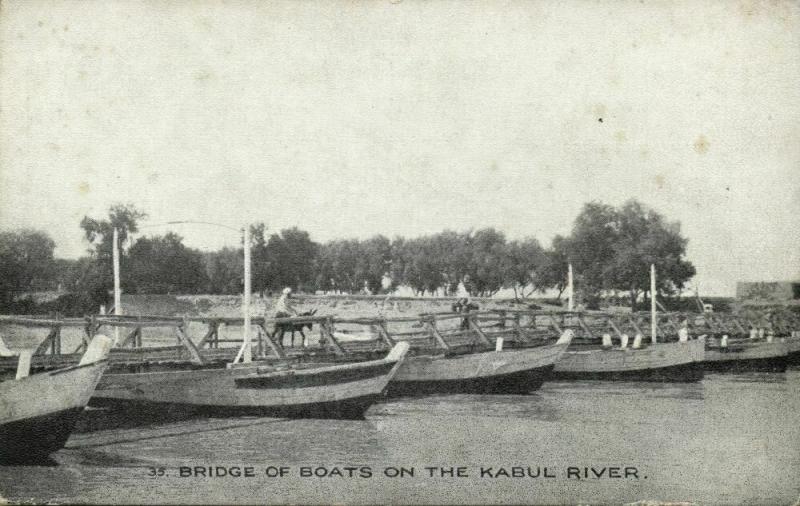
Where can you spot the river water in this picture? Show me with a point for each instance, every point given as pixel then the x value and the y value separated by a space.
pixel 728 439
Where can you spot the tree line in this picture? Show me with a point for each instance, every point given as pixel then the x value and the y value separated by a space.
pixel 609 247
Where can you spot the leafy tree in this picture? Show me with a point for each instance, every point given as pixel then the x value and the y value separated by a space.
pixel 422 270
pixel 373 260
pixel 99 277
pixel 612 249
pixel 287 259
pixel 487 261
pixel 162 264
pixel 554 274
pixel 524 266
pixel 26 259
pixel 225 270
pixel 99 233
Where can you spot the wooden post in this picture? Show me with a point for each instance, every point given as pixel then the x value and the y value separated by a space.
pixel 653 323
pixel 502 314
pixel 248 354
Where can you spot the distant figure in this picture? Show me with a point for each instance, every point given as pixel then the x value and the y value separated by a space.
pixel 365 289
pixel 386 282
pixel 462 292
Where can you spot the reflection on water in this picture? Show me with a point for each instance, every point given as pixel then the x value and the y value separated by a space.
pixel 727 439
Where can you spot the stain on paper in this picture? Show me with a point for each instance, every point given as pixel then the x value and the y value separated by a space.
pixel 701 145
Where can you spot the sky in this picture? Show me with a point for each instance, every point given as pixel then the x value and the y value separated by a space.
pixel 349 119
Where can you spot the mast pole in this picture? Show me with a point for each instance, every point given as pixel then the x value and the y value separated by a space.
pixel 117 289
pixel 248 357
pixel 653 326
pixel 570 288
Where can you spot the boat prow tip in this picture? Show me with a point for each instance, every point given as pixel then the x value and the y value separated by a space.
pixel 566 337
pixel 98 350
pixel 398 351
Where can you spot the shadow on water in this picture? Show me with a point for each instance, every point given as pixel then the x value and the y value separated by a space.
pixel 533 406
pixel 748 377
pixel 644 389
pixel 162 432
pixel 97 419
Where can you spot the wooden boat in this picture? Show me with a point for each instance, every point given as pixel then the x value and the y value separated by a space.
pixel 507 371
pixel 793 350
pixel 746 355
pixel 38 412
pixel 673 361
pixel 287 390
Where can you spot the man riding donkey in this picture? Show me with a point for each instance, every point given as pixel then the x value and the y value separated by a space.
pixel 284 309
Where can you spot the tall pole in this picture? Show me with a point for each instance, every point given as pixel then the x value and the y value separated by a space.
pixel 570 289
pixel 248 357
pixel 117 290
pixel 653 326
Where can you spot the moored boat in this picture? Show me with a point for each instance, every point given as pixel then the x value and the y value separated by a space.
pixel 299 391
pixel 746 355
pixel 38 412
pixel 793 349
pixel 672 361
pixel 503 371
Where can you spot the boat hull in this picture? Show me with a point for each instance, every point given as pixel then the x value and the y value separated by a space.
pixel 34 439
pixel 745 356
pixel 38 413
pixel 512 371
pixel 662 362
pixel 337 391
pixel 353 408
pixel 793 351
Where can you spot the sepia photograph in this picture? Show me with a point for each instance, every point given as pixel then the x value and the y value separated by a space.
pixel 400 252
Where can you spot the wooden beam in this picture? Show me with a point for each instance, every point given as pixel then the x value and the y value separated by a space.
pixel 194 353
pixel 49 341
pixel 131 338
pixel 430 324
pixel 585 327
pixel 614 327
pixel 635 326
pixel 474 326
pixel 515 322
pixel 208 337
pixel 383 332
pixel 276 348
pixel 327 330
pixel 555 324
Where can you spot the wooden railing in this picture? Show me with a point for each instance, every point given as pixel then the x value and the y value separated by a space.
pixel 446 332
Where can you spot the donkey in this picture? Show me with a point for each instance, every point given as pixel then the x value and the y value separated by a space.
pixel 293 327
pixel 463 306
